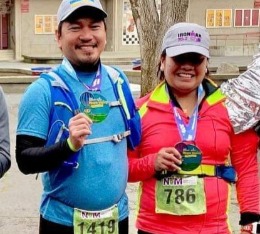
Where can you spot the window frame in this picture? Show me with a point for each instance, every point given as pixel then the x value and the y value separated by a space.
pixel 213 17
pixel 243 24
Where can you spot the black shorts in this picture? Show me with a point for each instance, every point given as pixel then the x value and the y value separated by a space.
pixel 143 232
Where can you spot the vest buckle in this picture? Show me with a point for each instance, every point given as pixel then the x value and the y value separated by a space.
pixel 117 138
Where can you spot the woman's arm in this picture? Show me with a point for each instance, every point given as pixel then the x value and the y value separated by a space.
pixel 244 159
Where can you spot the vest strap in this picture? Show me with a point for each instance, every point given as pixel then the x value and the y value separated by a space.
pixel 115 138
pixel 225 172
pixel 115 103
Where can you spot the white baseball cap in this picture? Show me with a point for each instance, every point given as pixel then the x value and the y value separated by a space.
pixel 67 7
pixel 184 38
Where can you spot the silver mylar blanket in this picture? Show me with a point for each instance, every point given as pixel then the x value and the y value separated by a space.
pixel 243 97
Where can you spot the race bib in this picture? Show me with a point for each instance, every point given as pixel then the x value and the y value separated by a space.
pixel 96 222
pixel 180 195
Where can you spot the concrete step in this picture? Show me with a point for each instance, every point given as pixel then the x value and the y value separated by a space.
pixel 109 58
pixel 6 55
pixel 119 58
pixel 116 62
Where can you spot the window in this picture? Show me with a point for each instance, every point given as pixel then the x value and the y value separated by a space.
pixel 246 18
pixel 45 24
pixel 216 18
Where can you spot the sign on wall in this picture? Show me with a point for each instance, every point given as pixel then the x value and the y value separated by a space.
pixel 247 18
pixel 130 36
pixel 24 6
pixel 45 24
pixel 218 18
pixel 223 18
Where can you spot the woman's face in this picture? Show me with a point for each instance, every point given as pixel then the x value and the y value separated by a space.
pixel 184 72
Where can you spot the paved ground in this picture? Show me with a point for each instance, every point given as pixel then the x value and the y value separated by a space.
pixel 20 194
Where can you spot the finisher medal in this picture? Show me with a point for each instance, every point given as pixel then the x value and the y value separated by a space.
pixel 191 156
pixel 95 106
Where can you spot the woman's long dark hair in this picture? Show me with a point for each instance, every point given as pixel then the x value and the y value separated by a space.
pixel 160 73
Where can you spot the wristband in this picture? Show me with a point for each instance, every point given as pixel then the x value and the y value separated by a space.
pixel 71 146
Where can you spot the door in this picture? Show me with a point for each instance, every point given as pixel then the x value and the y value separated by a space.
pixel 4 28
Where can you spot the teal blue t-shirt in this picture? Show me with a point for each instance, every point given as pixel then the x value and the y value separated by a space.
pixel 101 178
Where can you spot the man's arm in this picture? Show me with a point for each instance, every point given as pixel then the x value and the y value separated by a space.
pixel 33 157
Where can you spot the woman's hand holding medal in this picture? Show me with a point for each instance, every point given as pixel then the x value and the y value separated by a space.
pixel 168 159
pixel 79 129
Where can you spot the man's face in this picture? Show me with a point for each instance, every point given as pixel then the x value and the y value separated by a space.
pixel 82 40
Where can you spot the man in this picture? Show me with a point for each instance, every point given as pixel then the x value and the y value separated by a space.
pixel 5 158
pixel 74 124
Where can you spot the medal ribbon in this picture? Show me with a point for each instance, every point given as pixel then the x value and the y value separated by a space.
pixel 96 82
pixel 188 131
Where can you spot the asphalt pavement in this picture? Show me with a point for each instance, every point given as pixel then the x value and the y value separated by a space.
pixel 20 194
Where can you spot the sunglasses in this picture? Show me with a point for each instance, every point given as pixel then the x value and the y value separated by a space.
pixel 192 58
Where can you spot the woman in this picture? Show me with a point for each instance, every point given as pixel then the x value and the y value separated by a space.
pixel 187 144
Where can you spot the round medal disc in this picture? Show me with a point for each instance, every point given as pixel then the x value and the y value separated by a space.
pixel 191 156
pixel 95 106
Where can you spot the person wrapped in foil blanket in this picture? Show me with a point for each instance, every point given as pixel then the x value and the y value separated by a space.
pixel 243 97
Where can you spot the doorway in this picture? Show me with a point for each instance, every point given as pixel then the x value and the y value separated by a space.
pixel 4 29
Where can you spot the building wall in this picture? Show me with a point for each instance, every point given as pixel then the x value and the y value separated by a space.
pixel 38 44
pixel 12 29
pixel 42 45
pixel 226 41
pixel 127 38
pixel 109 8
pixel 24 41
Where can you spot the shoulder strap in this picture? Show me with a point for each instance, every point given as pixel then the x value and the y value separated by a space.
pixel 55 80
pixel 123 91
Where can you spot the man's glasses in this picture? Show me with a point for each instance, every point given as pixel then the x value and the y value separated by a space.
pixel 192 58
